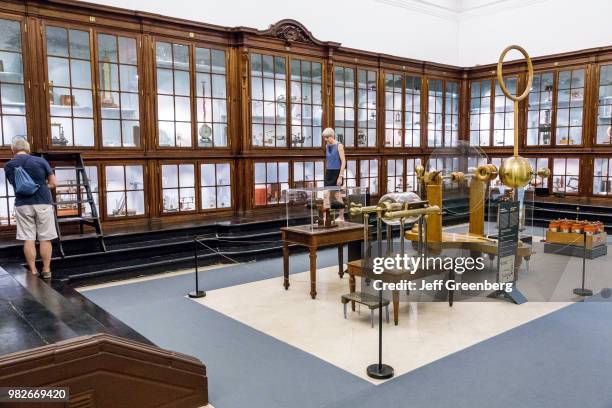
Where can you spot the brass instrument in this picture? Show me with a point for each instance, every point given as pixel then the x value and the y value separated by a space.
pixel 415 212
pixel 516 171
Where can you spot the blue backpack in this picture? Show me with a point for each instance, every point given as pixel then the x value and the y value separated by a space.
pixel 24 185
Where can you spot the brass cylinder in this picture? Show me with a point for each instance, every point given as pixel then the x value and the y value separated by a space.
pixel 457 176
pixel 411 213
pixel 494 171
pixel 483 173
pixel 357 209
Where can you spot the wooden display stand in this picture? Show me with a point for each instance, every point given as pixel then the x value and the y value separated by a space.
pixel 571 244
pixel 313 238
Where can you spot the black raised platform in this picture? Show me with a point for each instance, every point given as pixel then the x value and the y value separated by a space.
pixel 34 313
pixel 545 211
pixel 573 250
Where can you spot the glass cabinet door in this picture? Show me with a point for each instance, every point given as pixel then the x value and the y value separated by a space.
pixel 393 110
pixel 178 188
pixel 434 113
pixel 215 186
pixel 12 97
pixel 271 181
pixel 344 105
pixel 566 176
pixel 540 110
pixel 412 113
pixel 173 70
pixel 70 86
pixel 118 90
pixel 604 106
pixel 366 113
pixel 7 200
pixel 480 109
pixel 395 175
pixel 268 101
pixel 211 97
pixel 124 190
pixel 503 118
pixel 570 103
pixel 451 114
pixel 306 103
pixel 602 176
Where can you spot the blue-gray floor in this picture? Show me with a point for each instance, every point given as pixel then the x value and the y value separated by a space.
pixel 563 359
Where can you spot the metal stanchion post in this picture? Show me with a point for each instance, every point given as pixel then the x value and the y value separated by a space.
pixel 581 291
pixel 197 293
pixel 379 370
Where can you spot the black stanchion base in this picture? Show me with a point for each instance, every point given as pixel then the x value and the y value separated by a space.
pixel 197 294
pixel 583 292
pixel 380 372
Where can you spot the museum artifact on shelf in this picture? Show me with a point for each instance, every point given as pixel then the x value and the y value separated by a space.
pixel 568 237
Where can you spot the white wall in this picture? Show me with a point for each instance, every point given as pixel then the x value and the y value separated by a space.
pixel 364 24
pixel 541 27
pixel 457 32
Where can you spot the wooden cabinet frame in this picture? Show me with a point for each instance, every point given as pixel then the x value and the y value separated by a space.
pixel 286 38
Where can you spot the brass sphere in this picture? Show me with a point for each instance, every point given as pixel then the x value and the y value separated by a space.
pixel 516 172
pixel 543 172
pixel 486 172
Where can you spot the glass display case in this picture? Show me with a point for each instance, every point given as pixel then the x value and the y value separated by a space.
pixel 70 87
pixel 324 207
pixel 12 105
pixel 570 104
pixel 540 109
pixel 604 106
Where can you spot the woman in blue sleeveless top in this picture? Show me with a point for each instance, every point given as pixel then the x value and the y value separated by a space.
pixel 334 159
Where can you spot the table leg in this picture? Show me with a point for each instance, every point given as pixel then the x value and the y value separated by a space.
pixel 341 260
pixel 313 272
pixel 352 286
pixel 396 307
pixel 286 264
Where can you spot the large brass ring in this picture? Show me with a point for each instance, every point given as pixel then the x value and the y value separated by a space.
pixel 500 76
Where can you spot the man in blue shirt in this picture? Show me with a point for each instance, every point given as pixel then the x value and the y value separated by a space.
pixel 34 214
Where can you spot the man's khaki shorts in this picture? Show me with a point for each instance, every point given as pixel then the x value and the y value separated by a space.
pixel 35 221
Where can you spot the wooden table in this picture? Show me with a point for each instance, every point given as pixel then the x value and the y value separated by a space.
pixel 313 238
pixel 355 268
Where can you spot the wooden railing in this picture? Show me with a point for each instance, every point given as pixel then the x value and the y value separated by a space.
pixel 108 371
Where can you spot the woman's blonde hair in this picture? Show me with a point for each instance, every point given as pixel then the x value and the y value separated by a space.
pixel 329 132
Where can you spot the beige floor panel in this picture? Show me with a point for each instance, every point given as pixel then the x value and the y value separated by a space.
pixel 426 331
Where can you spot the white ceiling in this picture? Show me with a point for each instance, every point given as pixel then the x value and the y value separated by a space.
pixel 458 9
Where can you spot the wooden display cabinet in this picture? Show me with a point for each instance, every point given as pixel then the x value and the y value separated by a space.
pixel 55 104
